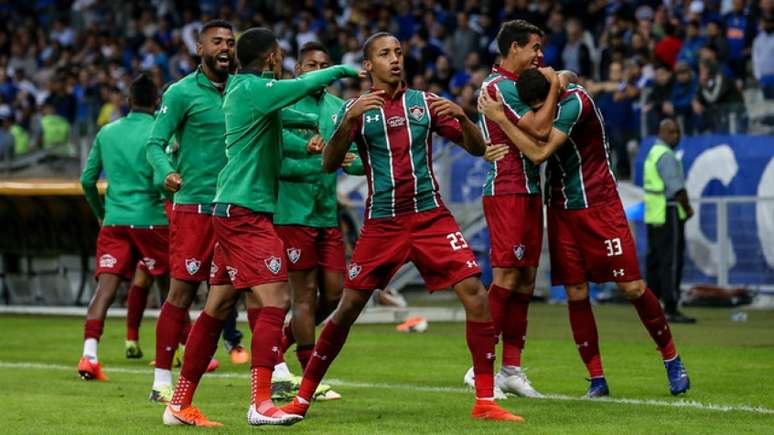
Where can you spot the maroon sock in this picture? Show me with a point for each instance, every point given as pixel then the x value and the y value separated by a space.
pixel 514 328
pixel 304 352
pixel 252 317
pixel 93 328
pixel 267 336
pixel 201 346
pixel 329 344
pixel 185 331
pixel 168 328
pixel 135 307
pixel 584 331
pixel 481 342
pixel 652 317
pixel 498 303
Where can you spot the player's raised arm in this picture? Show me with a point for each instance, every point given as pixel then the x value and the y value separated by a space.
pixel 168 118
pixel 338 145
pixel 538 123
pixel 535 150
pixel 89 179
pixel 446 116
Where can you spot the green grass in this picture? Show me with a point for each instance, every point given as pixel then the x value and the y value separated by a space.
pixel 730 363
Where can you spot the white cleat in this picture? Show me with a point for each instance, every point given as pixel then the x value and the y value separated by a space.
pixel 516 382
pixel 278 417
pixel 470 380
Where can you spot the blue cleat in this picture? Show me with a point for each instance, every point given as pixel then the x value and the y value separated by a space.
pixel 598 388
pixel 677 375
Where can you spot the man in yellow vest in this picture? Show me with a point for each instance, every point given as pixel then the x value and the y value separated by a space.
pixel 666 209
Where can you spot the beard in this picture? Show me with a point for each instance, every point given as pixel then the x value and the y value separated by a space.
pixel 213 65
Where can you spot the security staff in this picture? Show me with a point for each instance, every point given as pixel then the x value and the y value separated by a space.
pixel 666 209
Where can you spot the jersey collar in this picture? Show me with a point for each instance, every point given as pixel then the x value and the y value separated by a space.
pixel 504 72
pixel 202 79
pixel 398 93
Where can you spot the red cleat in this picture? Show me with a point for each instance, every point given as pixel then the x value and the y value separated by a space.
pixel 90 370
pixel 296 407
pixel 239 355
pixel 213 365
pixel 490 410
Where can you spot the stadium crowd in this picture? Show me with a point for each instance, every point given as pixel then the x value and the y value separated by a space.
pixel 65 66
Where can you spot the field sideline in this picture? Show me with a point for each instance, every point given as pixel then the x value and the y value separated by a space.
pixel 395 383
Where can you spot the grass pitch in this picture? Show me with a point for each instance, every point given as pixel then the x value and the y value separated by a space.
pixel 397 383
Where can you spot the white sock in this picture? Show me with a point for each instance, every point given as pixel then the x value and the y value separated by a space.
pixel 161 378
pixel 90 349
pixel 281 370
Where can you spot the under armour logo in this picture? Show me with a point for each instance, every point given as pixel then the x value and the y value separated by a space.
pixel 316 354
pixel 471 263
pixel 374 118
pixel 618 272
pixel 163 109
pixel 490 356
pixel 584 344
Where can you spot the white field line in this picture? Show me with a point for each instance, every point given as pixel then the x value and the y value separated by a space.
pixel 677 403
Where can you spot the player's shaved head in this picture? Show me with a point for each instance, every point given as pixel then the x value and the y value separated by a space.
pixel 533 87
pixel 254 45
pixel 143 92
pixel 669 132
pixel 369 43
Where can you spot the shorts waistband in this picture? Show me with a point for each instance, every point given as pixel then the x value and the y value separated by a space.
pixel 193 208
pixel 138 227
pixel 233 210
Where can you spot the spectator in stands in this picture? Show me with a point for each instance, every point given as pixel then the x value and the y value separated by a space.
pixel 52 129
pixel 576 55
pixel 465 40
pixel 719 102
pixel 656 106
pixel 694 41
pixel 740 30
pixel 667 49
pixel 763 57
pixel 680 103
pixel 112 109
pixel 7 141
pixel 717 41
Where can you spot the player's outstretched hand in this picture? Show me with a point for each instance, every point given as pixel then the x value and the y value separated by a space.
pixel 491 108
pixel 315 144
pixel 443 107
pixel 173 182
pixel 348 159
pixel 362 74
pixel 364 103
pixel 495 152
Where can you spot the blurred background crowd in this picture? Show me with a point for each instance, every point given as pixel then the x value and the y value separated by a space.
pixel 65 66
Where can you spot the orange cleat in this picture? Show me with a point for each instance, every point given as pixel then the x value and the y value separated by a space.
pixel 190 416
pixel 239 355
pixel 296 407
pixel 90 370
pixel 490 410
pixel 213 365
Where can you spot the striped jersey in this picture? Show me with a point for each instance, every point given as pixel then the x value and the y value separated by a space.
pixel 515 173
pixel 395 145
pixel 579 174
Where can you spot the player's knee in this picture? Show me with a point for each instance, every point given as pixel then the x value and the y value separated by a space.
pixel 632 289
pixel 507 278
pixel 303 308
pixel 577 292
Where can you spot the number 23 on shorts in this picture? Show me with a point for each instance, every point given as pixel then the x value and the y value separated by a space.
pixel 457 241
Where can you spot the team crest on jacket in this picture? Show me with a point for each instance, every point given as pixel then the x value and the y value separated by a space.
pixel 107 261
pixel 150 262
pixel 354 270
pixel 192 265
pixel 274 264
pixel 213 270
pixel 518 251
pixel 417 112
pixel 294 254
pixel 232 272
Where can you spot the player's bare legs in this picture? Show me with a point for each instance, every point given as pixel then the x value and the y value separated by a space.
pixel 107 285
pixel 303 284
pixel 654 320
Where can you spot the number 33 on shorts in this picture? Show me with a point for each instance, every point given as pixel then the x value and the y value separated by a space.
pixel 613 247
pixel 457 241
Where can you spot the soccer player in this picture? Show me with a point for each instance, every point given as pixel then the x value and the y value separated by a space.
pixel 307 215
pixel 132 218
pixel 405 218
pixel 511 202
pixel 248 251
pixel 589 237
pixel 191 112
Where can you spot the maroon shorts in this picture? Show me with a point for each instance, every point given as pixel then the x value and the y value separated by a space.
pixel 309 247
pixel 191 243
pixel 591 244
pixel 515 229
pixel 248 250
pixel 431 240
pixel 120 247
pixel 168 210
